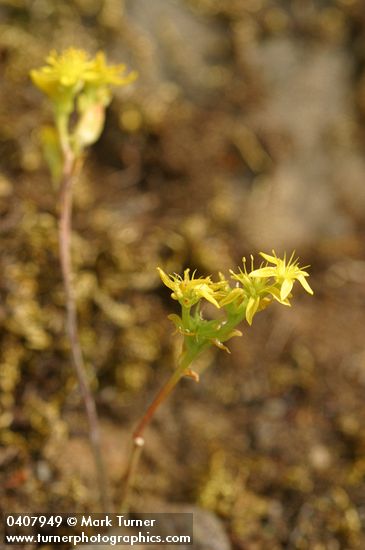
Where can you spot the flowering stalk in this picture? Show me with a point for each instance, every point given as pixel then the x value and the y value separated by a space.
pixel 72 327
pixel 78 87
pixel 138 434
pixel 253 292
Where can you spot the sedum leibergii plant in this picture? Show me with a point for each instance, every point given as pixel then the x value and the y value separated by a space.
pixel 80 89
pixel 252 291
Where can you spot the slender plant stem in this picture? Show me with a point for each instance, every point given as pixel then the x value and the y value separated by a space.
pixel 72 328
pixel 138 444
pixel 138 439
pixel 160 397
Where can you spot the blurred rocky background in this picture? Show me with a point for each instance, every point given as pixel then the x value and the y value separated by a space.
pixel 243 133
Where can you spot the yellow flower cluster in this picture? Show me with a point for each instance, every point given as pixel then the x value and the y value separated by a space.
pixel 73 70
pixel 189 291
pixel 253 291
pixel 79 87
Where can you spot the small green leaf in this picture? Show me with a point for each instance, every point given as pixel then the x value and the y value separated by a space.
pixel 52 151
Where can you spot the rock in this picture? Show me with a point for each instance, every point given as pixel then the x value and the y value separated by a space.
pixel 309 106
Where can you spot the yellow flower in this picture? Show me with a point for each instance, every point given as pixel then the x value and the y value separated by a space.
pixel 255 293
pixel 285 273
pixel 101 74
pixel 64 70
pixel 188 290
pixel 79 85
pixel 71 70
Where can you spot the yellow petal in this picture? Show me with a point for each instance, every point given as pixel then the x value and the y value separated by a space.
pixel 276 295
pixel 205 291
pixel 263 272
pixel 231 296
pixel 46 84
pixel 166 279
pixel 272 259
pixel 251 308
pixel 286 288
pixel 301 278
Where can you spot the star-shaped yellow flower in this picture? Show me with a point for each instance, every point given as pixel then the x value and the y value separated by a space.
pixel 188 290
pixel 65 70
pixel 255 293
pixel 284 272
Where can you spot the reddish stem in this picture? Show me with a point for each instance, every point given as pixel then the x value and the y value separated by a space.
pixel 138 440
pixel 72 328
